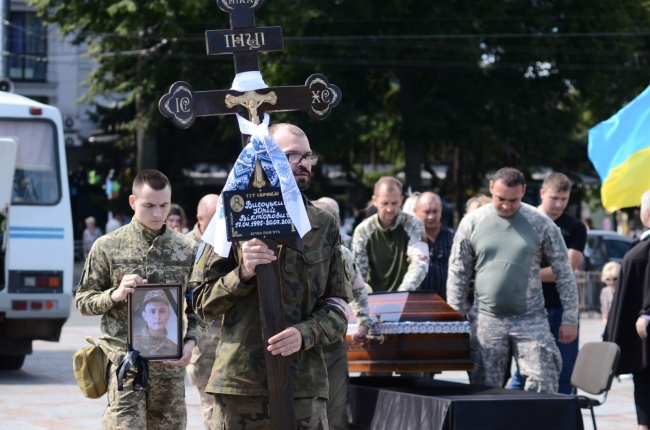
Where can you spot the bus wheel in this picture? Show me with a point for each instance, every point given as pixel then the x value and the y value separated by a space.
pixel 11 362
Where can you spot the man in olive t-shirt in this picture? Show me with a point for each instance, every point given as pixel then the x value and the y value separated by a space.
pixel 390 247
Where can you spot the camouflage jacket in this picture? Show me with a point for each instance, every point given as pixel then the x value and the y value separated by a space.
pixel 150 345
pixel 195 234
pixel 133 249
pixel 215 330
pixel 315 291
pixel 408 227
pixel 535 227
pixel 359 305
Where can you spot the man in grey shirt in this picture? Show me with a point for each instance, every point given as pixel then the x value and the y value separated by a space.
pixel 501 246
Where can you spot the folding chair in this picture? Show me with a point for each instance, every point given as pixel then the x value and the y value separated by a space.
pixel 594 371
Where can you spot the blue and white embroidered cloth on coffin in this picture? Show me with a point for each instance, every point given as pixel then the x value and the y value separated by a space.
pixel 277 169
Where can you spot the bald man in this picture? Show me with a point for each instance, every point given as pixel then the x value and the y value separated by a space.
pixel 203 354
pixel 428 208
pixel 204 213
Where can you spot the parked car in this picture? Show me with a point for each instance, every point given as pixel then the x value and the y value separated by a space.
pixel 604 246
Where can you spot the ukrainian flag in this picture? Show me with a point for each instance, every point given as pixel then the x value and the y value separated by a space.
pixel 619 149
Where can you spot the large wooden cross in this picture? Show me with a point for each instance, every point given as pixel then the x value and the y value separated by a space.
pixel 318 97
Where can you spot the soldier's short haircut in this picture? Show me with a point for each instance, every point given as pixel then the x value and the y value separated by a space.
pixel 388 181
pixel 293 129
pixel 155 179
pixel 509 176
pixel 557 182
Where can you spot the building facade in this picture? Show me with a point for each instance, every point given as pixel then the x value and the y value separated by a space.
pixel 47 68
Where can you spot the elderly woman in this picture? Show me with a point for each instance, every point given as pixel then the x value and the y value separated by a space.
pixel 609 276
pixel 90 235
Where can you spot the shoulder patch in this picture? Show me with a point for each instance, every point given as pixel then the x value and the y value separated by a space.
pixel 200 252
pixel 202 255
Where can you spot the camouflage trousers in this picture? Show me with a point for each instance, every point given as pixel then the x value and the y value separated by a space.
pixel 336 360
pixel 234 412
pixel 161 406
pixel 200 368
pixel 528 337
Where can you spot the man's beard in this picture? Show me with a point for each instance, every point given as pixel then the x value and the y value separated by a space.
pixel 303 183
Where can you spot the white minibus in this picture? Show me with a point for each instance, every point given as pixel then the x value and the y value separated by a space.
pixel 37 247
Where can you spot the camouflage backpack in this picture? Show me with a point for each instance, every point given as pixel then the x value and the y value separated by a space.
pixel 89 366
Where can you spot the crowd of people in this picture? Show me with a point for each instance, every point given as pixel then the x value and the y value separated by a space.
pixel 508 268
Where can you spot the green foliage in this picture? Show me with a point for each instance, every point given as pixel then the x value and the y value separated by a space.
pixel 505 83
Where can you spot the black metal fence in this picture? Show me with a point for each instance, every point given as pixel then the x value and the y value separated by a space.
pixel 589 287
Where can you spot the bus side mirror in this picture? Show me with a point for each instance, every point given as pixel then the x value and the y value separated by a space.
pixel 6 85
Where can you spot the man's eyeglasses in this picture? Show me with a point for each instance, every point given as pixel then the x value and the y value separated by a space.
pixel 295 158
pixel 611 279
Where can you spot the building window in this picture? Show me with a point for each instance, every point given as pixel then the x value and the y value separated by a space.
pixel 27 58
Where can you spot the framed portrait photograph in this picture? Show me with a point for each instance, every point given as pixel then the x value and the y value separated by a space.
pixel 155 321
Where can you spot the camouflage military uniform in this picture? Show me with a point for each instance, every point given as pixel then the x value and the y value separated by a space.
pixel 386 258
pixel 163 400
pixel 336 355
pixel 203 356
pixel 314 294
pixel 360 302
pixel 149 345
pixel 251 413
pixel 167 258
pixel 504 254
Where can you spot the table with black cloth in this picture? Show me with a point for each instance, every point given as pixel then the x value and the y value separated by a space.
pixel 385 403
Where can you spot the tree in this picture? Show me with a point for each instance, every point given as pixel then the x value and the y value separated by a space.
pixel 485 84
pixel 471 85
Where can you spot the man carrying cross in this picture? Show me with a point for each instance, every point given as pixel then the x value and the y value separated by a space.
pixel 307 261
pixel 314 292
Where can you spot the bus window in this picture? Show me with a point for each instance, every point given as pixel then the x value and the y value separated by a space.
pixel 36 179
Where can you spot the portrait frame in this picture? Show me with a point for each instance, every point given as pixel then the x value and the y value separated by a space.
pixel 144 304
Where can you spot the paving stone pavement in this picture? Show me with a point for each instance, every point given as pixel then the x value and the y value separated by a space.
pixel 43 394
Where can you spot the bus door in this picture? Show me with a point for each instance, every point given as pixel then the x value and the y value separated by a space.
pixel 8 150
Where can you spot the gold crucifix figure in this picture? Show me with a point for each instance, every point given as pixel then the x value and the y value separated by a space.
pixel 251 101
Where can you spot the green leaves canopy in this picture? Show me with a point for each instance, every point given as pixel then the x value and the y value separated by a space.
pixel 495 83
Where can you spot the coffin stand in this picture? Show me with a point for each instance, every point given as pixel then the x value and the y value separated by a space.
pixel 413 331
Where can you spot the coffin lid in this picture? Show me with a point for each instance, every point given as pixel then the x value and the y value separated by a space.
pixel 408 306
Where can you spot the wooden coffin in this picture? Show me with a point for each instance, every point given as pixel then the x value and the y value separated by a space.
pixel 413 331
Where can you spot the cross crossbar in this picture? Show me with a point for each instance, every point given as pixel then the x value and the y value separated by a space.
pixel 318 97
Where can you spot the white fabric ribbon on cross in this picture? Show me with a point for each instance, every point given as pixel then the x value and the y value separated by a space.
pixel 275 165
pixel 248 81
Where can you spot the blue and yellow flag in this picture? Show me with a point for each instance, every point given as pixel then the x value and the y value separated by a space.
pixel 619 149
